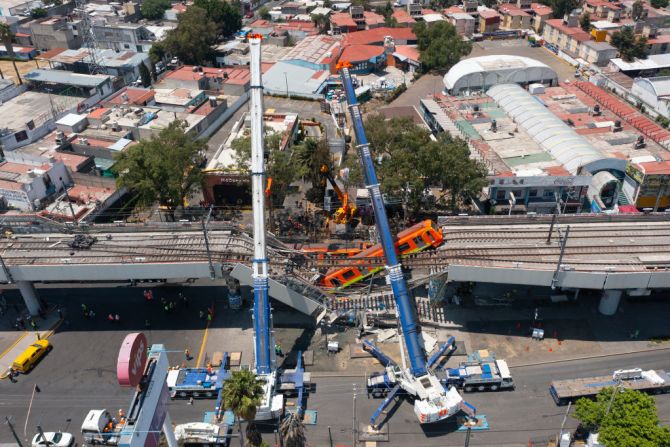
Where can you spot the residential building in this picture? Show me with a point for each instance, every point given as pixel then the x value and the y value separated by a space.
pixel 55 32
pixel 377 36
pixel 28 184
pixel 232 81
pixel 9 90
pixel 20 53
pixel 74 84
pixel 364 59
pixel 124 65
pixel 539 15
pixel 659 44
pixel 357 19
pixel 176 9
pixel 31 115
pixel 513 17
pixel 597 53
pixel 565 37
pixel 464 23
pixel 128 36
pixel 403 18
pixel 489 21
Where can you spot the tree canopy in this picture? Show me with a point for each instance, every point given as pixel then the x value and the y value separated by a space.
pixel 154 9
pixel 6 37
pixel 164 168
pixel 629 45
pixel 264 13
pixel 242 393
pixel 659 3
pixel 38 13
pixel 440 46
pixel 226 16
pixel 193 37
pixel 145 75
pixel 585 22
pixel 411 162
pixel 637 10
pixel 562 7
pixel 632 420
pixel 279 165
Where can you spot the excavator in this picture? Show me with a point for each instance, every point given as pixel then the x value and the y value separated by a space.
pixel 346 212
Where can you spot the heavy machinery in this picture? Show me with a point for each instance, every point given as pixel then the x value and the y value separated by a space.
pixel 432 402
pixel 346 212
pixel 651 381
pixel 147 416
pixel 480 372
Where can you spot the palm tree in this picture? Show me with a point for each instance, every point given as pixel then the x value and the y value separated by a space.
pixel 242 393
pixel 292 431
pixel 6 37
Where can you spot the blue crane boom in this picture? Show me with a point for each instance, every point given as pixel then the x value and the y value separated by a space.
pixel 400 292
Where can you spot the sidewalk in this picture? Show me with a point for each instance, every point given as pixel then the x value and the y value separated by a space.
pixel 45 328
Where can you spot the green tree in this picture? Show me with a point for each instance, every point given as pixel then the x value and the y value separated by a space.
pixel 145 75
pixel 242 393
pixel 391 22
pixel 412 162
pixel 6 37
pixel 157 52
pixel 637 10
pixel 631 421
pixel 191 41
pixel 310 156
pixel 164 168
pixel 154 9
pixel 292 431
pixel 226 16
pixel 321 22
pixel 264 13
pixel 38 13
pixel 440 46
pixel 562 7
pixel 327 3
pixel 629 45
pixel 585 22
pixel 659 3
pixel 279 165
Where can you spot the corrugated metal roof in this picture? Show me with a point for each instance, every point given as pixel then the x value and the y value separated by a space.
pixel 551 133
pixel 66 77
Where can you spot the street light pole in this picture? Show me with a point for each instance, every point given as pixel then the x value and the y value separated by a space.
pixel 353 424
pixel 25 427
pixel 11 428
pixel 286 79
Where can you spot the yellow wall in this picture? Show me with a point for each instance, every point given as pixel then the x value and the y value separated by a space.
pixel 650 201
pixel 599 35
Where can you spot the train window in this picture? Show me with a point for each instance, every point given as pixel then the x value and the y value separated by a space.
pixel 402 248
pixel 348 274
pixel 430 236
pixel 335 282
pixel 420 243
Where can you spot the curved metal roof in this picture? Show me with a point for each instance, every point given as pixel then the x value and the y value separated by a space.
pixel 550 132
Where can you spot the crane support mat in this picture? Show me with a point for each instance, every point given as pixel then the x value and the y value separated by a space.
pixel 465 423
pixel 356 351
pixel 235 358
pixel 369 434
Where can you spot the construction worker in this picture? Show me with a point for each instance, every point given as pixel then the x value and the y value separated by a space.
pixel 116 318
pixel 187 355
pixel 202 314
pixel 209 369
pixel 278 350
pixel 121 413
pixel 110 318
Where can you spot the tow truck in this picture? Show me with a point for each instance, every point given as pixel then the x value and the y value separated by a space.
pixel 100 428
pixel 347 211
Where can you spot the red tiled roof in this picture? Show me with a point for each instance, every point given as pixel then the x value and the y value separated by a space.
pixel 656 167
pixel 403 16
pixel 342 19
pixel 50 53
pixel 136 96
pixel 556 171
pixel 98 113
pixel 12 186
pixel 360 53
pixel 488 14
pixel 72 161
pixel 512 10
pixel 377 35
pixel 408 51
pixel 239 75
pixel 452 9
pixel 541 9
pixel 372 18
pixel 427 11
pixel 664 38
pixel 573 31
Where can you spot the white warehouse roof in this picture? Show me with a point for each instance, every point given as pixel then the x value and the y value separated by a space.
pixel 550 132
pixel 479 73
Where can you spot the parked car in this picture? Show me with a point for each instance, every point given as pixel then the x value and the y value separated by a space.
pixel 53 439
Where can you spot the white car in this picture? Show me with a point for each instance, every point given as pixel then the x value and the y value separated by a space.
pixel 55 439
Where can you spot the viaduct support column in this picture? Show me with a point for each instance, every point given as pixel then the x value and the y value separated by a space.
pixel 609 302
pixel 29 295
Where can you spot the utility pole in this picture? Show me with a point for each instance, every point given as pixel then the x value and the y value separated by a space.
pixel 563 241
pixel 212 272
pixel 353 424
pixel 11 428
pixel 565 418
pixel 25 427
pixel 551 228
pixel 69 202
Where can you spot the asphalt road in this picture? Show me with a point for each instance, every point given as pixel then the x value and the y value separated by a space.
pixel 79 375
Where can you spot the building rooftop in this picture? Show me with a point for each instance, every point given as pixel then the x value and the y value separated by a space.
pixel 317 50
pixel 67 78
pixel 598 46
pixel 300 79
pixel 104 57
pixel 176 96
pixel 372 18
pixel 359 53
pixel 660 84
pixel 488 14
pixel 461 16
pixel 377 35
pixel 512 10
pixel 573 31
pixel 402 16
pixel 32 106
pixel 653 62
pixel 407 51
pixel 238 75
pixel 342 19
pixel 539 8
pixel 131 96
